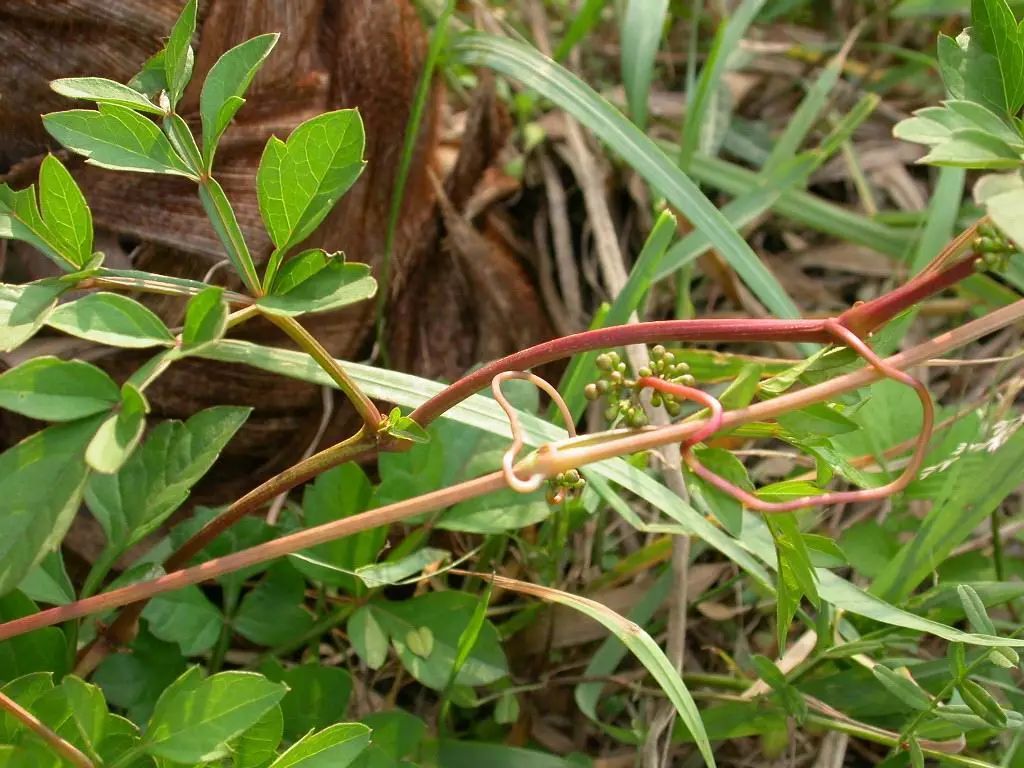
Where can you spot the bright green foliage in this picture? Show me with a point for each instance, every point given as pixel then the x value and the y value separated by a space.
pixel 112 319
pixel 257 746
pixel 57 390
pixel 316 281
pixel 195 718
pixel 59 225
pixel 104 91
pixel 334 747
pixel 206 319
pixel 185 617
pixel 23 311
pixel 225 85
pixel 791 699
pixel 65 211
pixel 300 180
pixel 983 69
pixel 903 688
pixel 272 613
pixel 642 29
pixel 118 435
pixel 116 137
pixel 404 428
pixel 157 479
pixel 336 494
pixel 178 54
pixel 42 653
pixel 430 655
pixel 317 697
pixel 727 509
pixel 402 570
pixel 41 483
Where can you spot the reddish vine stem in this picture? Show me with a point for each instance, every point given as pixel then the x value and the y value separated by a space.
pixel 122 629
pixel 548 460
pixel 64 748
pixel 861 319
pixel 749 500
pixel 712 403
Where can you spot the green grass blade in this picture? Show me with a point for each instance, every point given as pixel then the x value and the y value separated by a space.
pixel 412 131
pixel 584 20
pixel 536 71
pixel 727 39
pixel 943 210
pixel 807 209
pixel 640 39
pixel 625 304
pixel 978 484
pixel 807 114
pixel 745 208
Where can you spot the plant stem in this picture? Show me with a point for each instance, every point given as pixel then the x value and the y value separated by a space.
pixel 690 330
pixel 861 319
pixel 63 748
pixel 879 736
pixel 225 224
pixel 548 460
pixel 122 630
pixel 257 555
pixel 308 343
pixel 119 283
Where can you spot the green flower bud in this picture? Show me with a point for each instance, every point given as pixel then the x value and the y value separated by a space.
pixel 644 371
pixel 602 387
pixel 656 399
pixel 658 352
pixel 611 412
pixel 590 392
pixel 572 477
pixel 604 361
pixel 637 418
pixel 673 409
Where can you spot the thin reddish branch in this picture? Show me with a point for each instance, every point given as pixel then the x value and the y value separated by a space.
pixel 712 403
pixel 860 319
pixel 865 318
pixel 848 338
pixel 657 332
pixel 65 749
pixel 558 458
pixel 122 629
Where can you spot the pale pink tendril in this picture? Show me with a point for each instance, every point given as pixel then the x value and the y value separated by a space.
pixel 849 339
pixel 508 460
